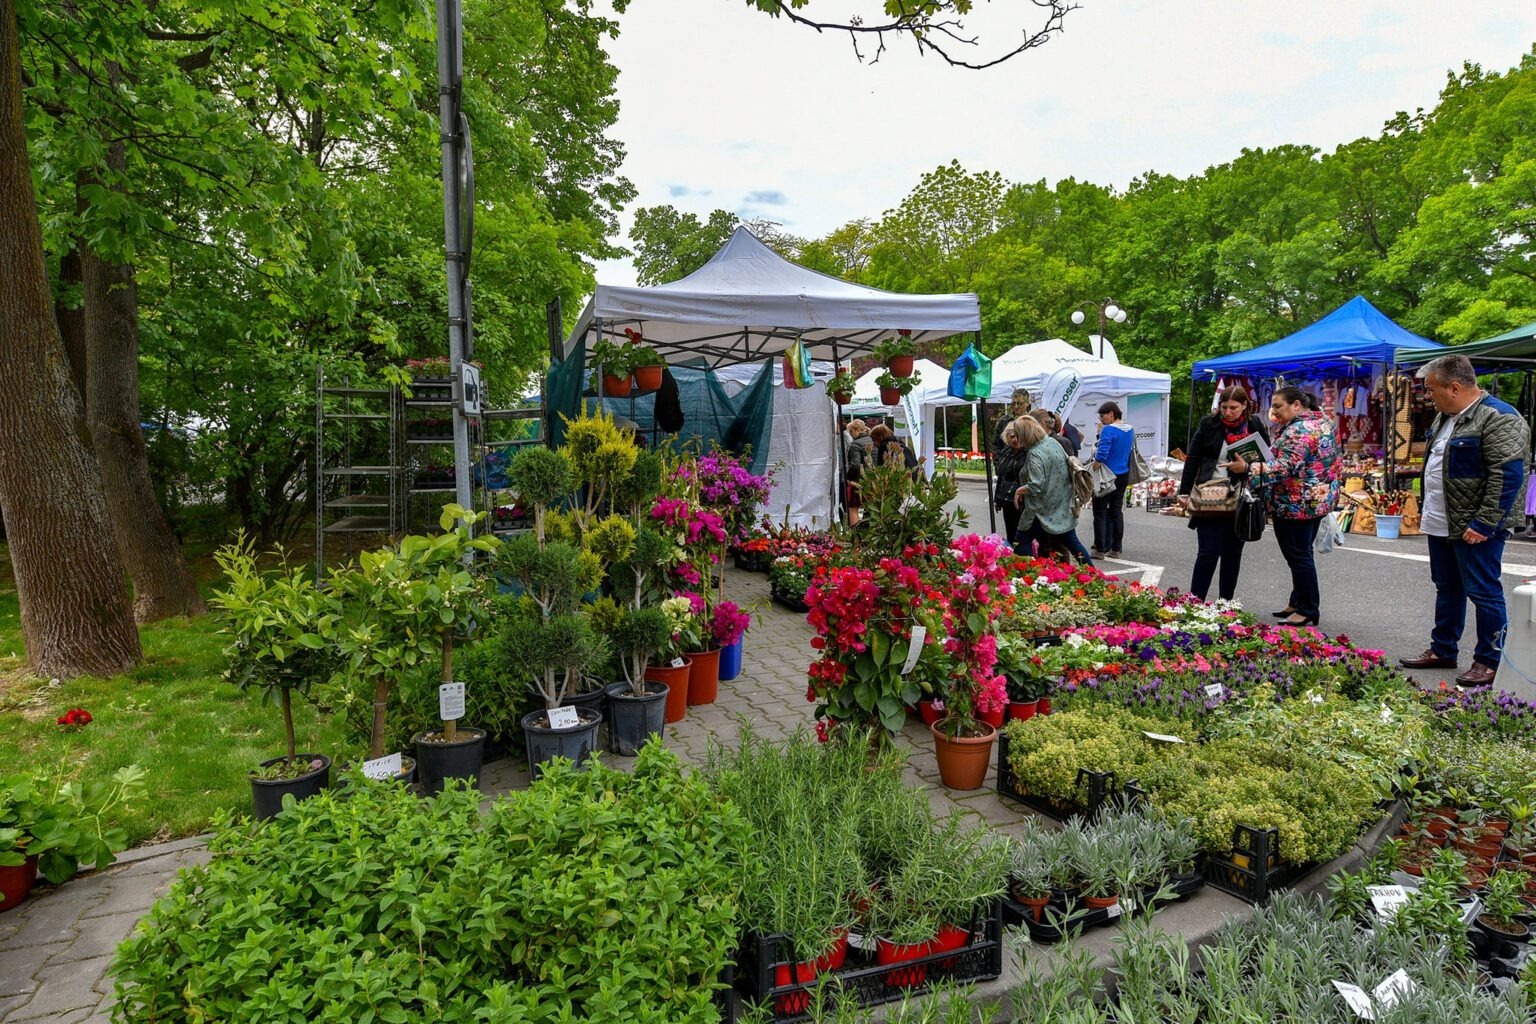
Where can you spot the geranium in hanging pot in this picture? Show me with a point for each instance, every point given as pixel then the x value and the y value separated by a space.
pixel 646 364
pixel 897 353
pixel 841 385
pixel 893 386
pixel 282 632
pixel 614 363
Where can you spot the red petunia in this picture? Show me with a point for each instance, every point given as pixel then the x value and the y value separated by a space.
pixel 75 718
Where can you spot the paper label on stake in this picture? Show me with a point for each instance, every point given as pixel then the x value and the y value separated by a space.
pixel 450 702
pixel 563 718
pixel 1160 737
pixel 678 663
pixel 1114 911
pixel 915 651
pixel 1387 899
pixel 1397 987
pixel 1213 690
pixel 1358 1001
pixel 386 767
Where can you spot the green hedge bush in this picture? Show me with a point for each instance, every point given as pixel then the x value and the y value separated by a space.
pixel 596 896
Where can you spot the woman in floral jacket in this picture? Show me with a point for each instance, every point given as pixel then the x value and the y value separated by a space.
pixel 1301 483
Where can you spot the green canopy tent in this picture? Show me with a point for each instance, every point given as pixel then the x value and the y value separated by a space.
pixel 1514 349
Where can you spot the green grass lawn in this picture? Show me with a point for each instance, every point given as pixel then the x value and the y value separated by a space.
pixel 195 734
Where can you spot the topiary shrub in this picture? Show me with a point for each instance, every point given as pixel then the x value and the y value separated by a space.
pixel 595 895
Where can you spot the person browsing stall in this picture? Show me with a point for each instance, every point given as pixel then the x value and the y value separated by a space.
pixel 1216 539
pixel 1116 442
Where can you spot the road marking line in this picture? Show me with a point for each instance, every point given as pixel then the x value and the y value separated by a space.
pixel 1508 568
pixel 1151 575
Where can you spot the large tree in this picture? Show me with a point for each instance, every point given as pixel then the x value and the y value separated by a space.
pixel 75 616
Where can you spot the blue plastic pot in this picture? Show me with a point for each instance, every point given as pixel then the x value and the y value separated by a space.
pixel 1388 527
pixel 730 660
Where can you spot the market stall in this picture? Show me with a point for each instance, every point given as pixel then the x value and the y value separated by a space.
pixel 1346 361
pixel 749 305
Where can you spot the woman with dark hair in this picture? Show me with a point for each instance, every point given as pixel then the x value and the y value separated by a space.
pixel 1217 542
pixel 1044 492
pixel 1116 442
pixel 891 450
pixel 1301 483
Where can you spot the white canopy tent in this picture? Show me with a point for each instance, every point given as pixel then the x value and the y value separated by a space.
pixel 803 442
pixel 747 305
pixel 1143 394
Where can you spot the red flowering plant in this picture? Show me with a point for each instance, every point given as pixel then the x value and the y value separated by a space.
pixel 865 621
pixel 729 623
pixel 979 587
pixel 75 718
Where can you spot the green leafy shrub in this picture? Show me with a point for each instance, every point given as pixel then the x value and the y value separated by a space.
pixel 594 895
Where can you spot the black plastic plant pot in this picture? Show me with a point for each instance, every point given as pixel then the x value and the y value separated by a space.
pixel 267 794
pixel 438 760
pixel 545 744
pixel 632 720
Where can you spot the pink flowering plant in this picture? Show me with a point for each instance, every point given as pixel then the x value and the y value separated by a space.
pixel 729 623
pixel 722 482
pixel 979 587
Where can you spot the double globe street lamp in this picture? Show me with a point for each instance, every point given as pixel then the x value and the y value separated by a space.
pixel 1109 312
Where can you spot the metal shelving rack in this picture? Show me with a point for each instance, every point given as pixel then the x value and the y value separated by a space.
pixel 415 447
pixel 539 415
pixel 348 500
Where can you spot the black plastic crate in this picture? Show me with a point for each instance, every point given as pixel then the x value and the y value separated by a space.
pixel 1253 871
pixel 1054 923
pixel 1158 504
pixel 1096 787
pixel 794 604
pixel 861 979
pixel 748 561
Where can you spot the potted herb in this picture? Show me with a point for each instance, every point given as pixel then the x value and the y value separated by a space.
pixel 1029 872
pixel 1107 865
pixel 615 365
pixel 50 828
pixel 1502 904
pixel 282 631
pixel 979 863
pixel 841 385
pixel 896 354
pixel 893 387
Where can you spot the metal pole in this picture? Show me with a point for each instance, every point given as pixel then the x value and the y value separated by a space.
pixel 1189 419
pixel 838 454
pixel 450 81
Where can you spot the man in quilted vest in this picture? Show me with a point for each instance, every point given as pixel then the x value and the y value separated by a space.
pixel 1474 476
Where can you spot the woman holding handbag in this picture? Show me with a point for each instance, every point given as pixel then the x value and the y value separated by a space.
pixel 1214 504
pixel 1300 484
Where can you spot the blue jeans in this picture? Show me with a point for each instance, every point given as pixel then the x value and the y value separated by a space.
pixel 1295 537
pixel 1462 571
pixel 1052 544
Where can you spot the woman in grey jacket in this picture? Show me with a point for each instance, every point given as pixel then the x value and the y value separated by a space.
pixel 1044 495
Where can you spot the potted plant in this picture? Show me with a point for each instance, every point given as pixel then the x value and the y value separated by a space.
pixel 1029 872
pixel 1349 895
pixel 896 353
pixel 50 828
pixel 979 575
pixel 402 605
pixel 431 379
pixel 1105 864
pixel 645 362
pixel 728 626
pixel 1502 904
pixel 615 365
pixel 282 632
pixel 637 706
pixel 841 385
pixel 1015 660
pixel 673 665
pixel 979 863
pixel 893 387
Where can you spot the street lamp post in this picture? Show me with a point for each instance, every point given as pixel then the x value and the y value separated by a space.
pixel 1109 312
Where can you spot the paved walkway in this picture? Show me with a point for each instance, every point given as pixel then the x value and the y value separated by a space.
pixel 55 949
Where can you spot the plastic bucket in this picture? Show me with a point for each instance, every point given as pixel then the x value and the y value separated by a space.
pixel 1389 527
pixel 730 661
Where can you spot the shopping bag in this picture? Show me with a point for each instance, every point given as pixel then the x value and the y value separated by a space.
pixel 1103 480
pixel 1250 520
pixel 1330 534
pixel 797 366
pixel 971 376
pixel 1139 469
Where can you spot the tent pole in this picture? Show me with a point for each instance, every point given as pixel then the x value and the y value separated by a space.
pixel 838 469
pixel 1389 431
pixel 1189 419
pixel 986 454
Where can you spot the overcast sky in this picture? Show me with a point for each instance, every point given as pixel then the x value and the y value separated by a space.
pixel 722 107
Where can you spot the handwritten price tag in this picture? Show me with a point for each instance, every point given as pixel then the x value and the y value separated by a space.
pixel 563 718
pixel 450 702
pixel 1159 737
pixel 919 634
pixel 1213 691
pixel 386 767
pixel 1387 899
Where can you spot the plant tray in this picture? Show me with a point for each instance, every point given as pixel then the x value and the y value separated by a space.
pixel 861 981
pixel 753 562
pixel 1158 504
pixel 794 604
pixel 1253 871
pixel 1099 787
pixel 1050 928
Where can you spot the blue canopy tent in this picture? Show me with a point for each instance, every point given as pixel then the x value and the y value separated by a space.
pixel 1352 340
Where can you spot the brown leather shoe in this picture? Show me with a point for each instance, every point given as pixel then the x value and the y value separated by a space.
pixel 1478 675
pixel 1429 659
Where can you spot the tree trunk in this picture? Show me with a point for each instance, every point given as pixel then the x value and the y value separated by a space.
pixel 75 615
pixel 72 319
pixel 148 546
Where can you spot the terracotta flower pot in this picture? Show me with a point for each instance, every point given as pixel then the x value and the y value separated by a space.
pixel 616 387
pixel 1023 710
pixel 841 399
pixel 890 396
pixel 901 366
pixel 963 760
pixel 16 882
pixel 677 687
pixel 1100 902
pixel 1036 906
pixel 647 378
pixel 704 677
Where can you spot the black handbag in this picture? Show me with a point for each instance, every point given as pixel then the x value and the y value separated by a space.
pixel 1250 519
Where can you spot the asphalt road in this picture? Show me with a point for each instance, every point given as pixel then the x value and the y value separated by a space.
pixel 1377 592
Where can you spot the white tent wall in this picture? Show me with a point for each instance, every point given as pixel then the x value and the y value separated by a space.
pixel 802 443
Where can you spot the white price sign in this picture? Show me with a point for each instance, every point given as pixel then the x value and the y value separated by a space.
pixel 678 663
pixel 1213 691
pixel 1387 899
pixel 563 718
pixel 1393 990
pixel 450 702
pixel 386 767
pixel 1159 737
pixel 919 634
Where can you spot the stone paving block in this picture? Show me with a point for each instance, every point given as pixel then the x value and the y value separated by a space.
pixel 133 892
pixel 98 936
pixel 65 994
pixel 50 917
pixel 17 966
